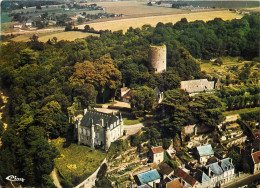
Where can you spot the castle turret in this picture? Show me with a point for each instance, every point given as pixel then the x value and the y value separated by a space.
pixel 107 137
pixel 92 134
pixel 157 58
pixel 121 122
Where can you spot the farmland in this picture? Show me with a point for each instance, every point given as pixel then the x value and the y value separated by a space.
pixel 60 35
pixel 124 24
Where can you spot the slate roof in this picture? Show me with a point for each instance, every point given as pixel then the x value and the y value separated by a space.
pixel 186 177
pixel 148 176
pixel 158 149
pixel 215 169
pixel 256 157
pixel 97 117
pixel 226 164
pixel 196 86
pixel 212 160
pixel 165 169
pixel 205 150
pixel 201 176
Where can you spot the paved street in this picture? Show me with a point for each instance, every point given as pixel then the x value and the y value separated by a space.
pixel 244 179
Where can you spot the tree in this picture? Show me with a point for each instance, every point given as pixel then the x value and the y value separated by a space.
pixel 207 110
pixel 142 101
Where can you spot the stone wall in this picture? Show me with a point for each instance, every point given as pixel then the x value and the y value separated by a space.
pixel 157 58
pixel 90 181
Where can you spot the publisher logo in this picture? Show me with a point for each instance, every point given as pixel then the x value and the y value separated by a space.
pixel 14 178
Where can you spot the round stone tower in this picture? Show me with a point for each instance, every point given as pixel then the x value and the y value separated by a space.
pixel 157 58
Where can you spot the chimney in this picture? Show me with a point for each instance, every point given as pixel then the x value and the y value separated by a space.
pixel 209 171
pixel 102 122
pixel 154 184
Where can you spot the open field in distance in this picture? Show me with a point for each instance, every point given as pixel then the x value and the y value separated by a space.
pixel 124 24
pixel 61 35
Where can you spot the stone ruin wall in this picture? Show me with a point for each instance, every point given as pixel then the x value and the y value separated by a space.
pixel 157 58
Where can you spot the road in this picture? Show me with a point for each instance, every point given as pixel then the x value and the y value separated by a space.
pixel 244 179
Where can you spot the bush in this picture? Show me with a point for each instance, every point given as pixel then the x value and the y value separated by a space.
pixel 66 183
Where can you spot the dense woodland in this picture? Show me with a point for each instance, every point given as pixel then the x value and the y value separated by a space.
pixel 44 79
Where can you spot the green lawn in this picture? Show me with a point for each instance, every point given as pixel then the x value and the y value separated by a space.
pixel 228 113
pixel 77 162
pixel 128 121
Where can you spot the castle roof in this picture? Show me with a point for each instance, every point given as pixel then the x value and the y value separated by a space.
pixel 196 86
pixel 215 169
pixel 205 150
pixel 97 117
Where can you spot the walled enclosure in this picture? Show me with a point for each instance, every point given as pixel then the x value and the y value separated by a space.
pixel 157 58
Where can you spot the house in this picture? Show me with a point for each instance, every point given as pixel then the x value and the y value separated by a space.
pixel 215 173
pixel 194 87
pixel 97 129
pixel 157 154
pixel 188 180
pixel 204 153
pixel 228 169
pixel 165 170
pixel 125 95
pixel 28 23
pixel 256 162
pixel 201 177
pixel 150 178
pixel 17 26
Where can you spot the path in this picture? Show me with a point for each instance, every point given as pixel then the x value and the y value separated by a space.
pixel 244 179
pixel 55 178
pixel 132 129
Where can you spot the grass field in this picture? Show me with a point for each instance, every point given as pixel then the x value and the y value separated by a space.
pixel 77 161
pixel 124 24
pixel 44 37
pixel 228 113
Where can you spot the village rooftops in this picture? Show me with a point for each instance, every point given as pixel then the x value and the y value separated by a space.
pixel 256 157
pixel 205 150
pixel 158 149
pixel 174 184
pixel 165 169
pixel 147 177
pixel 186 177
pixel 92 117
pixel 226 164
pixel 197 86
pixel 144 186
pixel 201 176
pixel 215 169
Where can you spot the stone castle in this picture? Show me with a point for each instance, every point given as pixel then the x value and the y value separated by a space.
pixel 157 58
pixel 97 129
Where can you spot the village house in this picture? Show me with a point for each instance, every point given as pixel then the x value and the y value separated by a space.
pixel 17 26
pixel 125 95
pixel 150 178
pixel 97 129
pixel 186 179
pixel 28 23
pixel 194 87
pixel 204 153
pixel 256 162
pixel 157 154
pixel 171 182
pixel 201 177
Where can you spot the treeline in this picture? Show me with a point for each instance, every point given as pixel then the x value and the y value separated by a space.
pixel 238 37
pixel 238 98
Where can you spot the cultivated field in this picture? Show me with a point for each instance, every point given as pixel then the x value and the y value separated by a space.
pixel 44 37
pixel 124 24
pixel 132 8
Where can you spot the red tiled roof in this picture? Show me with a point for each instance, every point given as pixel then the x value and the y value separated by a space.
pixel 186 177
pixel 174 184
pixel 256 157
pixel 157 149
